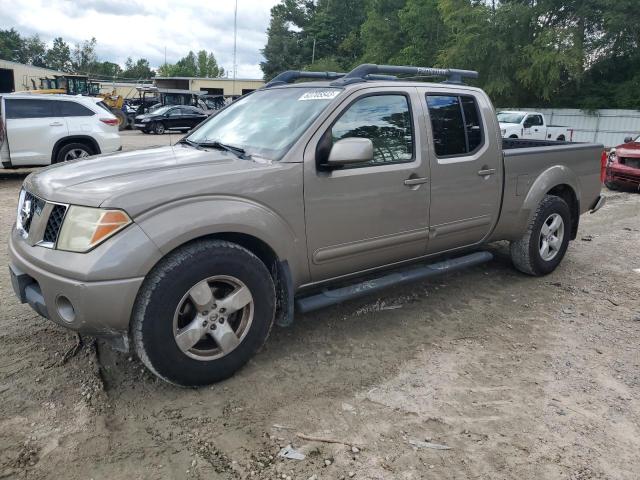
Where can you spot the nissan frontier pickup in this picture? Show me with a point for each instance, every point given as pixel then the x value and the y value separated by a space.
pixel 297 196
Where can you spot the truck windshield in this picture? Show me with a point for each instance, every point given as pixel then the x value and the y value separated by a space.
pixel 266 122
pixel 510 117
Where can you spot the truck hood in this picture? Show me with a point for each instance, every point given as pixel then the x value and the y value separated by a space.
pixel 508 125
pixel 631 149
pixel 141 179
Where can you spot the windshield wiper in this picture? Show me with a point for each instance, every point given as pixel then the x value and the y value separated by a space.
pixel 237 151
pixel 191 143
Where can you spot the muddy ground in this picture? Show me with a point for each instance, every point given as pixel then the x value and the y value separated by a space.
pixel 522 378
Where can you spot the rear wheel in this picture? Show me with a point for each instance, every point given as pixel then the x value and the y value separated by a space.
pixel 203 313
pixel 611 185
pixel 542 247
pixel 561 138
pixel 73 151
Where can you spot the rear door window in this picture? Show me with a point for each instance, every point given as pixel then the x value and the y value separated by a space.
pixel 456 124
pixel 18 108
pixel 73 109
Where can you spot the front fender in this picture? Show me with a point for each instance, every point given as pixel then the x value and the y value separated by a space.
pixel 177 223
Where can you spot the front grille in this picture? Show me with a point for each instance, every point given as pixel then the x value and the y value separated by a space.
pixel 30 206
pixel 54 224
pixel 630 162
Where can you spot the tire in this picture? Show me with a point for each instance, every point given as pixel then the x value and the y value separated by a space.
pixel 73 151
pixel 561 138
pixel 526 253
pixel 164 308
pixel 612 185
pixel 513 136
pixel 158 128
pixel 122 118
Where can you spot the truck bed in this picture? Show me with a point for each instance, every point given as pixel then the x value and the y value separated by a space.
pixel 529 165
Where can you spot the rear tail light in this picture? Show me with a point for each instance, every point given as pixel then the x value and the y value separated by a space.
pixel 110 121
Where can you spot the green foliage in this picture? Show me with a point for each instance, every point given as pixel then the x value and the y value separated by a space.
pixel 201 65
pixel 565 53
pixel 58 57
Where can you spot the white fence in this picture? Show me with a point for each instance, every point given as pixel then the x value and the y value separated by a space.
pixel 608 127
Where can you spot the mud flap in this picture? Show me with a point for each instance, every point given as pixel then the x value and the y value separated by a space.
pixel 284 295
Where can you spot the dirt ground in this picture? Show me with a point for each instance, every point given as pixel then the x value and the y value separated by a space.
pixel 520 377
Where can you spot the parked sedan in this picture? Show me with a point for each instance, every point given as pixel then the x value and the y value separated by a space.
pixel 623 165
pixel 170 117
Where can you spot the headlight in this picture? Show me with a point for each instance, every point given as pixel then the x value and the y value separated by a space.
pixel 84 227
pixel 145 120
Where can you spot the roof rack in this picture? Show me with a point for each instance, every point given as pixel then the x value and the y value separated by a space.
pixel 291 76
pixel 369 70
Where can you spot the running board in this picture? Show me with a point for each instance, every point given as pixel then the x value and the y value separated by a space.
pixel 332 297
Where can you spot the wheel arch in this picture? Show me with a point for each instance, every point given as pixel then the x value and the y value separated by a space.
pixel 568 194
pixel 84 139
pixel 558 180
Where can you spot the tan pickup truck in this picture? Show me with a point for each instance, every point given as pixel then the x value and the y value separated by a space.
pixel 295 197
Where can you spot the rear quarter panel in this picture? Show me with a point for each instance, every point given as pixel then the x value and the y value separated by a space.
pixel 532 172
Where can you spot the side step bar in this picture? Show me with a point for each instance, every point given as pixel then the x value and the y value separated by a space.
pixel 332 297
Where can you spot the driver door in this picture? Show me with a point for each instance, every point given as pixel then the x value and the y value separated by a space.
pixel 368 215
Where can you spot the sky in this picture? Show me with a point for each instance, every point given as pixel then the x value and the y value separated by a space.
pixel 138 28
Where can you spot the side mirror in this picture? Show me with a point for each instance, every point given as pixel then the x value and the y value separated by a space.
pixel 628 139
pixel 349 151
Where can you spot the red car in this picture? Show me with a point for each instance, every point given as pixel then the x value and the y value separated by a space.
pixel 623 165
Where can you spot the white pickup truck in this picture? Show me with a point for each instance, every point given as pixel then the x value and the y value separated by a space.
pixel 531 125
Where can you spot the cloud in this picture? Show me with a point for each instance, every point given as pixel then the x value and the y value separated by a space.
pixel 136 28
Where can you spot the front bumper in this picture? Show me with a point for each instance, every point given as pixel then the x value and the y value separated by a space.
pixel 94 307
pixel 617 173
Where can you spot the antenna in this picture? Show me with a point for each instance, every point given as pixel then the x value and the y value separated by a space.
pixel 235 46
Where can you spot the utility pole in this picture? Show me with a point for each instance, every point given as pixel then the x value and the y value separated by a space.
pixel 235 45
pixel 313 52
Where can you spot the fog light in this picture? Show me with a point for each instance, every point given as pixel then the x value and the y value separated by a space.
pixel 65 309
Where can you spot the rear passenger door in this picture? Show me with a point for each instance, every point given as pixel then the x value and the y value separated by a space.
pixel 33 128
pixel 466 168
pixel 78 117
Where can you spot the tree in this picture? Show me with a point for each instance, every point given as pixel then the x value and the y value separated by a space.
pixel 11 45
pixel 58 57
pixel 208 65
pixel 139 69
pixel 84 55
pixel 34 51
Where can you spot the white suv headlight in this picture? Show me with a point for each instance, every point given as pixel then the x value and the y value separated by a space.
pixel 84 227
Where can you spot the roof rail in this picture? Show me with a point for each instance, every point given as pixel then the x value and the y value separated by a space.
pixel 370 70
pixel 291 76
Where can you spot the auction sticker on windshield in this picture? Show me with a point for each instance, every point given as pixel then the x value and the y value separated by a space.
pixel 320 94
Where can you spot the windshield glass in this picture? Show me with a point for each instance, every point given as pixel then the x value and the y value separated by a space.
pixel 266 122
pixel 160 110
pixel 637 140
pixel 510 117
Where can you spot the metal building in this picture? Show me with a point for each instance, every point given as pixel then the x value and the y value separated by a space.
pixel 16 77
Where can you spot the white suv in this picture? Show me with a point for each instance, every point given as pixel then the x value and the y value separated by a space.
pixel 44 129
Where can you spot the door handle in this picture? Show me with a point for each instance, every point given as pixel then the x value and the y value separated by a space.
pixel 485 172
pixel 55 124
pixel 410 182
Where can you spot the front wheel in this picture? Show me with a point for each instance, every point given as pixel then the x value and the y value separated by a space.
pixel 158 128
pixel 203 312
pixel 541 249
